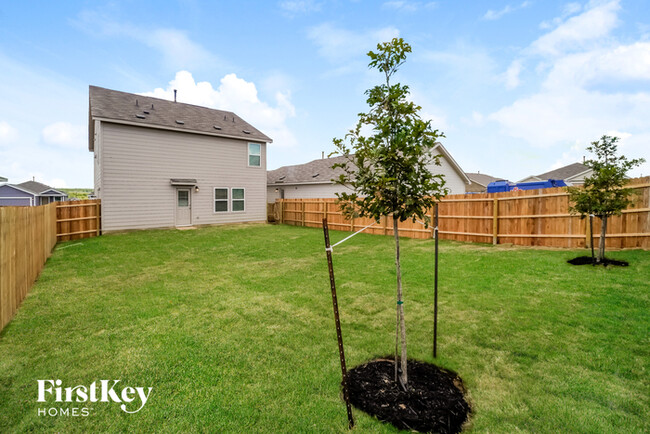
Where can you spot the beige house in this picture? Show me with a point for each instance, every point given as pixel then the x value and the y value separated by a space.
pixel 572 174
pixel 162 163
pixel 314 179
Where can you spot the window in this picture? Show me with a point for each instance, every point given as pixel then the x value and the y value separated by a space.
pixel 183 198
pixel 220 200
pixel 254 154
pixel 238 199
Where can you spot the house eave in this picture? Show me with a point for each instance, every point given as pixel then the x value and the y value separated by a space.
pixel 279 184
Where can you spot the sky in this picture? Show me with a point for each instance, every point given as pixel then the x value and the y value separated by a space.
pixel 518 87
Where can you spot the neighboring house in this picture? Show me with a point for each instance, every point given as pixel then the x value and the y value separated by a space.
pixel 479 182
pixel 30 193
pixel 3 179
pixel 573 174
pixel 161 163
pixel 314 179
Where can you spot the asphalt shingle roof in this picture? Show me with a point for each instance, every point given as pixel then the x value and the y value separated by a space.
pixel 34 187
pixel 317 171
pixel 149 111
pixel 564 172
pixel 481 178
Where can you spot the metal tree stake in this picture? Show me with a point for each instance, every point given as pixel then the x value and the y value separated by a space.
pixel 335 304
pixel 435 289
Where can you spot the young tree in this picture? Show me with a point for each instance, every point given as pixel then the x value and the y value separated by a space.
pixel 387 168
pixel 603 193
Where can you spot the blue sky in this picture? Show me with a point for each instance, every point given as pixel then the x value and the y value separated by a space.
pixel 518 87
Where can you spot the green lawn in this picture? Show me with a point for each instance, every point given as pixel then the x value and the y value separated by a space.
pixel 232 327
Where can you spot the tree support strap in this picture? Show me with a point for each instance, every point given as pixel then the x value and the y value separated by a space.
pixel 331 248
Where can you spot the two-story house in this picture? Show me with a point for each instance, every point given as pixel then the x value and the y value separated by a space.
pixel 161 163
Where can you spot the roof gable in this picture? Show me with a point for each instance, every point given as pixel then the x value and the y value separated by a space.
pixel 34 187
pixel 123 107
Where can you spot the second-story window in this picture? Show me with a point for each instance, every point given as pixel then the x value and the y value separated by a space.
pixel 254 154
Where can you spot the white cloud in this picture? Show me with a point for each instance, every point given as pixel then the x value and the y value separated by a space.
pixel 578 31
pixel 568 10
pixel 589 90
pixel 340 45
pixel 177 48
pixel 65 134
pixel 294 7
pixel 7 132
pixel 492 15
pixel 237 95
pixel 603 66
pixel 408 6
pixel 512 75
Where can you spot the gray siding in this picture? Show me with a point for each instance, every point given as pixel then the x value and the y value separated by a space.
pixel 314 191
pixel 306 191
pixel 10 196
pixel 97 167
pixel 136 164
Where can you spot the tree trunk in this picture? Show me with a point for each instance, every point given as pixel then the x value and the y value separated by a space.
pixel 401 332
pixel 601 244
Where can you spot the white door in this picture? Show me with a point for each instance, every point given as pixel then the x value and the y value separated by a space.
pixel 183 207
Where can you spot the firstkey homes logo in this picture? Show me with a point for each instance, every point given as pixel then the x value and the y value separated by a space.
pixel 131 399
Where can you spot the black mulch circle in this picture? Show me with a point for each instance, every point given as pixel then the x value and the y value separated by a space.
pixel 586 260
pixel 434 401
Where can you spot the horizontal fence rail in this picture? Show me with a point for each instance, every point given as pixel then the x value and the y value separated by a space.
pixel 78 219
pixel 526 218
pixel 27 236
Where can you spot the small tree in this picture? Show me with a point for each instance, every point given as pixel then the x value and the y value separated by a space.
pixel 603 193
pixel 387 170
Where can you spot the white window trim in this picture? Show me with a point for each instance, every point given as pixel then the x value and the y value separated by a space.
pixel 243 200
pixel 248 151
pixel 214 200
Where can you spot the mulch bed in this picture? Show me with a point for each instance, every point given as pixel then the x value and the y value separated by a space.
pixel 586 260
pixel 434 401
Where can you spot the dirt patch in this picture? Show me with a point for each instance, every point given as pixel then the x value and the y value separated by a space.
pixel 434 401
pixel 586 260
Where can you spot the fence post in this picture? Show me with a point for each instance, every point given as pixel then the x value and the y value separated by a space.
pixel 587 234
pixel 302 207
pixel 495 222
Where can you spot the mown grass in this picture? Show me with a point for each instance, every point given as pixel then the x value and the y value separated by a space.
pixel 232 327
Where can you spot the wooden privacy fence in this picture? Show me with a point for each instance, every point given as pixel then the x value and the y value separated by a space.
pixel 78 219
pixel 27 236
pixel 527 218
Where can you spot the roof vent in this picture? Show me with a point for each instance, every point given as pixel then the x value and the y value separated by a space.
pixel 245 131
pixel 314 176
pixel 140 116
pixel 216 127
pixel 180 122
pixel 152 107
pixel 136 103
pixel 146 112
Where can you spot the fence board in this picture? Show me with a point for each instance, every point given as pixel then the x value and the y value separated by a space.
pixel 27 236
pixel 78 219
pixel 527 218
